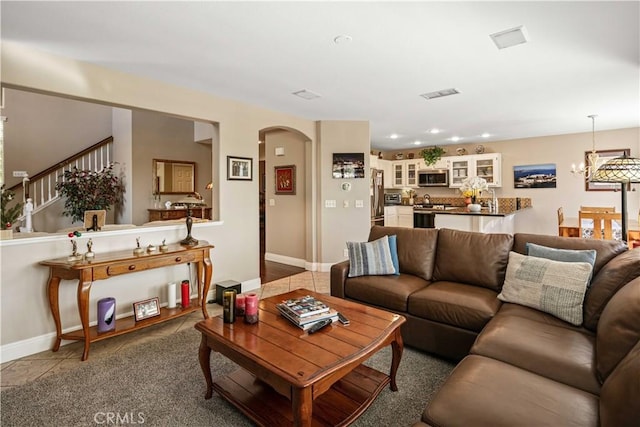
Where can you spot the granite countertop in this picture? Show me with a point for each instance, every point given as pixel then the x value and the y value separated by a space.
pixel 464 211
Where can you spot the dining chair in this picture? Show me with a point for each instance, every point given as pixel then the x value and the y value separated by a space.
pixel 564 229
pixel 560 221
pixel 604 209
pixel 602 224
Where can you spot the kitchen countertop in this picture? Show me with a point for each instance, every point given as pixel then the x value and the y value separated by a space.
pixel 464 211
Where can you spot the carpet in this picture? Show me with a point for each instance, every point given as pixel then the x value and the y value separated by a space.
pixel 160 383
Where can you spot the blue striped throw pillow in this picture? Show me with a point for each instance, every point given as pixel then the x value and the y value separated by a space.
pixel 370 258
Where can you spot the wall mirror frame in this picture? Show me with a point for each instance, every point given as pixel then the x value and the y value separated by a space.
pixel 173 176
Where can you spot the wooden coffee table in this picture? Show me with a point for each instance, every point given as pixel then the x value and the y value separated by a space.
pixel 288 377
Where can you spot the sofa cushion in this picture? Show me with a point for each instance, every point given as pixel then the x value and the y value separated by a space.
pixel 391 292
pixel 416 248
pixel 619 271
pixel 564 255
pixel 509 309
pixel 606 249
pixel 618 328
pixel 475 258
pixel 484 392
pixel 465 306
pixel 553 351
pixel 370 258
pixel 554 287
pixel 621 393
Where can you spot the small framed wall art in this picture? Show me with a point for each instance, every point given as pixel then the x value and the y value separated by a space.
pixel 239 168
pixel 285 179
pixel 147 308
pixel 348 165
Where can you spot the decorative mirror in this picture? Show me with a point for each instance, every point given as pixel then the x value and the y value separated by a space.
pixel 173 176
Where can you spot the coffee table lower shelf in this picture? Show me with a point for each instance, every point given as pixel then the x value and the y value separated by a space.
pixel 347 399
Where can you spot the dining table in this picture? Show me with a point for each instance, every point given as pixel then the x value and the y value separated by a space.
pixel 570 227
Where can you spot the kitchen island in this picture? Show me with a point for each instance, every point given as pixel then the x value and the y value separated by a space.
pixel 483 221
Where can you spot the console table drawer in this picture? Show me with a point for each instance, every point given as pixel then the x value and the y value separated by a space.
pixel 141 265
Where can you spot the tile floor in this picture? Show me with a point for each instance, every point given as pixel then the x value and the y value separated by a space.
pixel 21 371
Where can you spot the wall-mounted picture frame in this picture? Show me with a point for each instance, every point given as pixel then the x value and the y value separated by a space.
pixel 146 309
pixel 535 176
pixel 285 179
pixel 605 156
pixel 348 165
pixel 239 168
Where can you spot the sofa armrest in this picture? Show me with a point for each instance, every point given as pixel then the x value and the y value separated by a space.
pixel 339 273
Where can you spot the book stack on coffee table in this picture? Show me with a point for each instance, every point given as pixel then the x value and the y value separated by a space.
pixel 306 311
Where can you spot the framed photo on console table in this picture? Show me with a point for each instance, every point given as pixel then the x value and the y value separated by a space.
pixel 147 308
pixel 605 156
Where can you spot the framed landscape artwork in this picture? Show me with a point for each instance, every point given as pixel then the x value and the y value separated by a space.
pixel 239 168
pixel 605 155
pixel 535 176
pixel 285 179
pixel 348 165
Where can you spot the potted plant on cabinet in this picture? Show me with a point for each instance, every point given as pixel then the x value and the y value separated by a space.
pixel 432 154
pixel 88 190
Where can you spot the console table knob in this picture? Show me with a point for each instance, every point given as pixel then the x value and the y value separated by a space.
pixel 178 259
pixel 132 267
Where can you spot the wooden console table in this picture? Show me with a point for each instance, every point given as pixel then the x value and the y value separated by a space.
pixel 107 265
pixel 165 214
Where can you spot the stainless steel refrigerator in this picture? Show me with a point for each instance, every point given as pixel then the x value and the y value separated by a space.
pixel 376 189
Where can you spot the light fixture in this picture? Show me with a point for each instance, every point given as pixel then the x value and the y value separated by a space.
pixel 394 136
pixel 434 131
pixel 190 201
pixel 417 142
pixel 455 138
pixel 485 135
pixel 306 94
pixel 626 171
pixel 511 37
pixel 592 157
pixel 440 93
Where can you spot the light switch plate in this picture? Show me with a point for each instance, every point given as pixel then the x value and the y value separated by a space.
pixel 329 203
pixel 359 203
pixel 272 202
pixel 345 203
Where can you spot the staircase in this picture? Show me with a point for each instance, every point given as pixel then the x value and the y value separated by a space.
pixel 41 187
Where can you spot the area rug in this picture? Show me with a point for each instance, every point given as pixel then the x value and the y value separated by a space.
pixel 160 383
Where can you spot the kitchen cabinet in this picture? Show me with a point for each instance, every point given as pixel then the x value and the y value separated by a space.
pixel 385 166
pixel 405 173
pixel 398 216
pixel 487 166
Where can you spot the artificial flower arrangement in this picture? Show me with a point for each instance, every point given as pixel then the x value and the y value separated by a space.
pixel 473 187
pixel 8 215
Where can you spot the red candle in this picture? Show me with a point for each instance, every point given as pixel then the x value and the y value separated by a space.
pixel 251 308
pixel 240 305
pixel 185 293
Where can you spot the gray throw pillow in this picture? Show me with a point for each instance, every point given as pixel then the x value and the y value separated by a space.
pixel 554 287
pixel 564 255
pixel 370 258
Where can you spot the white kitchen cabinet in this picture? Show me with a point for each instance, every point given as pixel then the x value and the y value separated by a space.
pixel 443 163
pixel 405 216
pixel 405 173
pixel 487 166
pixel 385 166
pixel 398 216
pixel 373 162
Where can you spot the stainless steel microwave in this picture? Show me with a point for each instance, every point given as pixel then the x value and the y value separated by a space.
pixel 433 178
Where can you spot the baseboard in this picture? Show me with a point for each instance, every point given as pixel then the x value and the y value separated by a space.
pixel 250 285
pixel 282 259
pixel 325 267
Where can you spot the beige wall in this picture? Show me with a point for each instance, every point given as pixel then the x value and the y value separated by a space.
pixel 286 220
pixel 339 225
pixel 157 136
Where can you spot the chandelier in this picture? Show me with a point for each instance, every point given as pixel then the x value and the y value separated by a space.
pixel 592 157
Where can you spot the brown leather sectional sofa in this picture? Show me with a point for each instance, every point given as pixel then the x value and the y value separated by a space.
pixel 519 366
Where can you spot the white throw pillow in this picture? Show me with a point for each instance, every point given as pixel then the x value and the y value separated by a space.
pixel 370 258
pixel 555 287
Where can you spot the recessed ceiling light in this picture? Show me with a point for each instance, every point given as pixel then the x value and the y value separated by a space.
pixel 394 136
pixel 440 93
pixel 510 37
pixel 434 131
pixel 417 142
pixel 485 135
pixel 306 94
pixel 455 138
pixel 342 39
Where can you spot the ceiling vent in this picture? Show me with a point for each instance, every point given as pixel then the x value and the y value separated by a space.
pixel 306 94
pixel 510 37
pixel 440 93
